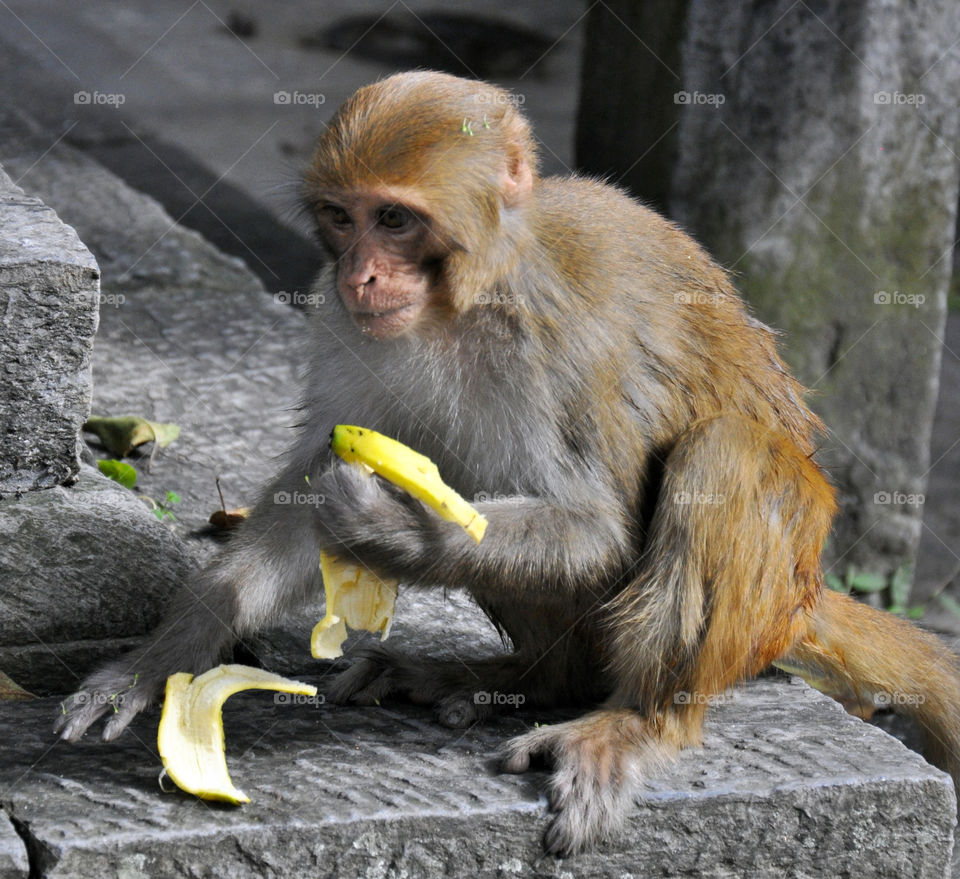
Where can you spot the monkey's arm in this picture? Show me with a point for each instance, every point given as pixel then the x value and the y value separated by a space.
pixel 270 566
pixel 528 540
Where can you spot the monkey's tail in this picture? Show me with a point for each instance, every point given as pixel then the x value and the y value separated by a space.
pixel 868 658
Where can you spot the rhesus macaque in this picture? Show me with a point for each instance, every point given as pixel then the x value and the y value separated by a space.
pixel 554 344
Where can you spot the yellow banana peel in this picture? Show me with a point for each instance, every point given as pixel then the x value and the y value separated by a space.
pixel 409 470
pixel 356 597
pixel 190 738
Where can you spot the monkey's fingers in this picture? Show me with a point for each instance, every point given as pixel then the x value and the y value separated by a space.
pixel 367 685
pixel 366 682
pixel 411 471
pixel 78 714
pixel 131 706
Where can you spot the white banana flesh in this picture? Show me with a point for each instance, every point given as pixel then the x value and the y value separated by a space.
pixel 356 597
pixel 190 738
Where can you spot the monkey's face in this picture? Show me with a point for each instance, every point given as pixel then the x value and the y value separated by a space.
pixel 388 259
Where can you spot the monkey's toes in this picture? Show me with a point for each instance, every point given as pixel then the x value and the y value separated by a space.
pixel 517 754
pixel 366 682
pixel 460 710
pixel 76 718
pixel 563 836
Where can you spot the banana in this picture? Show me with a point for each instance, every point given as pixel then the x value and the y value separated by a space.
pixel 190 738
pixel 356 597
pixel 409 470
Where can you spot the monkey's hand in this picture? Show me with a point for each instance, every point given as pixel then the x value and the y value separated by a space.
pixel 598 762
pixel 364 518
pixel 116 691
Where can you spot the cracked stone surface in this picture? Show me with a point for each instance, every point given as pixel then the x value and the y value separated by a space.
pixel 114 566
pixel 14 863
pixel 786 784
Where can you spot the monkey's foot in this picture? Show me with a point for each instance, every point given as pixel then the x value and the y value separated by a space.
pixel 461 692
pixel 116 692
pixel 599 761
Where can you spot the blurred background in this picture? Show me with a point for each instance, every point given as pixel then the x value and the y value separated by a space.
pixel 810 146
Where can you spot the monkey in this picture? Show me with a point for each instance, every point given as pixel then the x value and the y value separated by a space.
pixel 656 516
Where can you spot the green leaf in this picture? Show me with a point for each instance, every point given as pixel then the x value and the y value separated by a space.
pixel 173 497
pixel 900 584
pixel 118 472
pixel 916 612
pixel 865 581
pixel 835 583
pixel 121 433
pixel 950 603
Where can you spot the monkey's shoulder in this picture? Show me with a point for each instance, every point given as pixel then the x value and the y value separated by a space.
pixel 600 238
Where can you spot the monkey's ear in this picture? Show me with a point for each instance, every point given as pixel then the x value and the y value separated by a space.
pixel 516 181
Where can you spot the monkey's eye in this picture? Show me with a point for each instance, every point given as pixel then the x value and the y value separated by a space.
pixel 336 216
pixel 394 218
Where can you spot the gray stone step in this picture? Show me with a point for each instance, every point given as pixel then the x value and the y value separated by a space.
pixel 187 334
pixel 786 785
pixel 14 861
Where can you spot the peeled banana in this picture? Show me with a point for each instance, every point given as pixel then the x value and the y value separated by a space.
pixel 409 470
pixel 356 597
pixel 190 738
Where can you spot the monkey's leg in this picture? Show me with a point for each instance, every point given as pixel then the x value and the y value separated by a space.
pixel 731 564
pixel 270 566
pixel 466 691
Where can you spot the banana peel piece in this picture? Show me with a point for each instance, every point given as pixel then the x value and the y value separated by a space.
pixel 356 597
pixel 190 738
pixel 409 470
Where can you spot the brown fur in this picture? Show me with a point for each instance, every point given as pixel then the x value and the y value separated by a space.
pixel 870 659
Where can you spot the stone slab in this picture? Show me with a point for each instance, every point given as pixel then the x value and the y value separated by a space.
pixel 187 334
pixel 786 784
pixel 48 316
pixel 77 566
pixel 822 172
pixel 14 863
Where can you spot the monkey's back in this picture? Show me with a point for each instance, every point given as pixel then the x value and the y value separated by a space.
pixel 662 314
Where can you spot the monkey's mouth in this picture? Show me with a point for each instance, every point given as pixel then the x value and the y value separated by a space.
pixel 386 323
pixel 379 314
